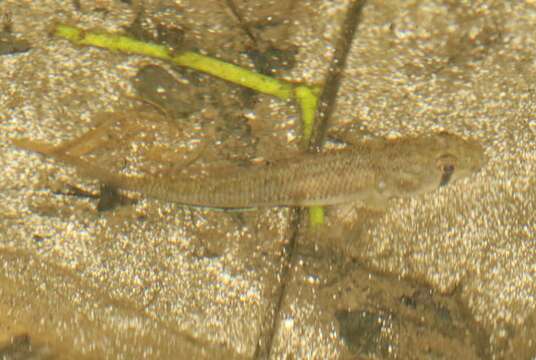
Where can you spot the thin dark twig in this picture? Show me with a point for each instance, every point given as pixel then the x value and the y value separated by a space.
pixel 245 27
pixel 326 103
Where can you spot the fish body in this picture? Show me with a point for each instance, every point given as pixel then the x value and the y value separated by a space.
pixel 371 172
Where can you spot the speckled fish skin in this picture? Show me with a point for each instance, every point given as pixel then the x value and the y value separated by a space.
pixel 371 172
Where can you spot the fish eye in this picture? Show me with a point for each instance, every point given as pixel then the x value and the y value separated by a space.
pixel 448 169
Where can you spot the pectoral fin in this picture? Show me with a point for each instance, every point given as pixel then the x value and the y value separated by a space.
pixel 375 201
